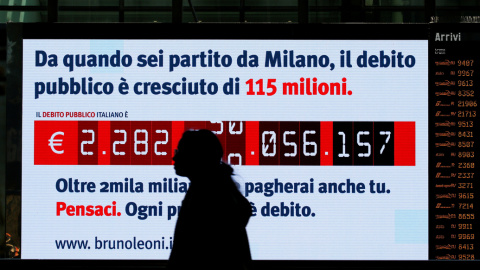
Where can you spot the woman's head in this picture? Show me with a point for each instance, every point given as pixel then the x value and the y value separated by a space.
pixel 197 151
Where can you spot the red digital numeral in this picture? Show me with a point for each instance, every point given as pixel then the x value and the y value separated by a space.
pixel 141 146
pixel 121 142
pixel 268 143
pixel 235 143
pixel 310 143
pixel 162 143
pixel 87 142
pixel 290 146
pixel 244 142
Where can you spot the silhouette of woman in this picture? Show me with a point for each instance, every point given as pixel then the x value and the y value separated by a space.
pixel 210 231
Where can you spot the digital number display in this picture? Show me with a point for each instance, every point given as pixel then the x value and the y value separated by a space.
pixel 453 171
pixel 327 133
pixel 245 142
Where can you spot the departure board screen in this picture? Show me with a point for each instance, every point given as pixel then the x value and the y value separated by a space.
pixel 351 142
pixel 453 95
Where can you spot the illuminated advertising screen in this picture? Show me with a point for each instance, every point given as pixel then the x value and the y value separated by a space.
pixel 327 132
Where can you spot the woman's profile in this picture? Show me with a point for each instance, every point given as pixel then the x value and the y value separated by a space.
pixel 210 231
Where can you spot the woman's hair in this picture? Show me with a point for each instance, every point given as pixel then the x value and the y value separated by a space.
pixel 205 145
pixel 202 143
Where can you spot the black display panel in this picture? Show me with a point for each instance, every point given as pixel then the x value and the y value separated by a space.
pixel 454 123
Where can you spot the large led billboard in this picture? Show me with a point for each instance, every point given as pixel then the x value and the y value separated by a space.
pixel 327 133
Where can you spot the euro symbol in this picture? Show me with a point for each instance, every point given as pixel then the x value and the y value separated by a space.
pixel 56 142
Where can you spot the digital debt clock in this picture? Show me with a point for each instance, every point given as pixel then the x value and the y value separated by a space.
pixel 328 141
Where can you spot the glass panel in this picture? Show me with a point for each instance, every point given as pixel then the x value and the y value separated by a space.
pixel 147 3
pixel 324 3
pixel 387 3
pixel 23 2
pixel 206 16
pixel 272 3
pixel 229 10
pixel 271 11
pixel 22 16
pixel 89 3
pixel 271 16
pixel 86 16
pixel 455 15
pixel 456 3
pixel 398 17
pixel 158 16
pixel 2 154
pixel 213 3
pixel 324 17
pixel 324 11
pixel 212 10
pixel 3 139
